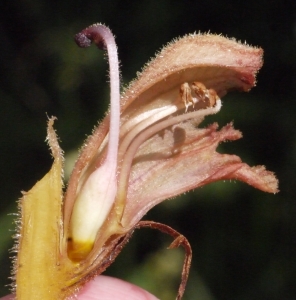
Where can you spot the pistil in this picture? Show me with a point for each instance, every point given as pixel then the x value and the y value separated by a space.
pixel 97 195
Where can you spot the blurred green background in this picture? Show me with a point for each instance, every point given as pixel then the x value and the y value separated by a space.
pixel 243 240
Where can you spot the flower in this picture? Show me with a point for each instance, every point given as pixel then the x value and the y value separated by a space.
pixel 150 147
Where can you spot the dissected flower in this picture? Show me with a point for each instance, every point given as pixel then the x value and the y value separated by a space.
pixel 150 147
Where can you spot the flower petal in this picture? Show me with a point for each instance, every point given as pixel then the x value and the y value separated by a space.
pixel 185 158
pixel 219 63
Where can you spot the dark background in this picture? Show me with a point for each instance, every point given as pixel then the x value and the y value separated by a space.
pixel 243 240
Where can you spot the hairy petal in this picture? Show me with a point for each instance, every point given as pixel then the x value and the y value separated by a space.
pixel 257 177
pixel 154 165
pixel 185 159
pixel 219 63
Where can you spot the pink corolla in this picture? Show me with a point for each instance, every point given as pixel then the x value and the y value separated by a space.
pixel 151 145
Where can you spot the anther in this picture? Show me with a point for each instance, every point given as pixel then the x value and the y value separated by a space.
pixel 186 97
pixel 208 96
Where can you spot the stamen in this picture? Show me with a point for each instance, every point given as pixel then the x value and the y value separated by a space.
pixel 186 97
pixel 199 89
pixel 144 120
pixel 208 97
pixel 133 121
pixel 145 135
pixel 166 111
